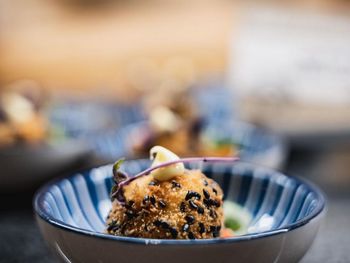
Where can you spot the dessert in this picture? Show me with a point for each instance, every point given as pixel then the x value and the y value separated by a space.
pixel 166 201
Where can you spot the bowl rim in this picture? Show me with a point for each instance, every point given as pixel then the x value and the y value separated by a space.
pixel 319 209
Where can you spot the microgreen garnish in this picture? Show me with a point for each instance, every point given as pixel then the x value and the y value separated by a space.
pixel 118 177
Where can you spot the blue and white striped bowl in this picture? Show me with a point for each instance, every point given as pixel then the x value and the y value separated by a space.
pixel 286 216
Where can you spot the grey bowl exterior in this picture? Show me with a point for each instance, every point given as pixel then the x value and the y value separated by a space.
pixel 28 166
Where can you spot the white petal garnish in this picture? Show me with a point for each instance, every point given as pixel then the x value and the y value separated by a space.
pixel 161 155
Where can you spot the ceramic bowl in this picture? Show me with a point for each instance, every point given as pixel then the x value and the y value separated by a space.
pixel 256 144
pixel 286 214
pixel 28 166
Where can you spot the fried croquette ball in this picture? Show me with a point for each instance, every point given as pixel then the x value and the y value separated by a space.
pixel 188 206
pixel 169 203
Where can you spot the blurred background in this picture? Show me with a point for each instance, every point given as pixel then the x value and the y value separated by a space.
pixel 84 82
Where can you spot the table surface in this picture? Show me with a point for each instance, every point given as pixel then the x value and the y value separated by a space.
pixel 20 240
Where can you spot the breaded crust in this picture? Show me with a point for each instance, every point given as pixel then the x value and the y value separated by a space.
pixel 187 207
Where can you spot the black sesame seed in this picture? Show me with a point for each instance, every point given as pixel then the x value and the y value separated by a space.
pixel 216 234
pixel 182 207
pixel 129 204
pixel 215 230
pixel 211 202
pixel 206 194
pixel 190 219
pixel 152 183
pixel 157 223
pixel 153 200
pixel 175 184
pixel 145 200
pixel 162 204
pixel 216 203
pixel 164 225
pixel 185 227
pixel 200 210
pixel 173 232
pixel 201 228
pixel 190 235
pixel 212 213
pixel 215 191
pixel 113 226
pixel 191 194
pixel 193 205
pixel 205 183
pixel 130 214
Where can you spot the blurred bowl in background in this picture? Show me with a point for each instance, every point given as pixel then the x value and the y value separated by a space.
pixel 26 166
pixel 255 145
pixel 85 118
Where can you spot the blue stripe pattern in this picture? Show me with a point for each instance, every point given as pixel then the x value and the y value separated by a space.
pixel 274 200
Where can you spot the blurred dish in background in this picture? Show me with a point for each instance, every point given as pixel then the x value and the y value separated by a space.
pixel 249 142
pixel 31 150
pixel 177 108
pixel 193 121
pixel 173 121
pixel 22 118
pixel 155 84
pixel 177 119
pixel 26 166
